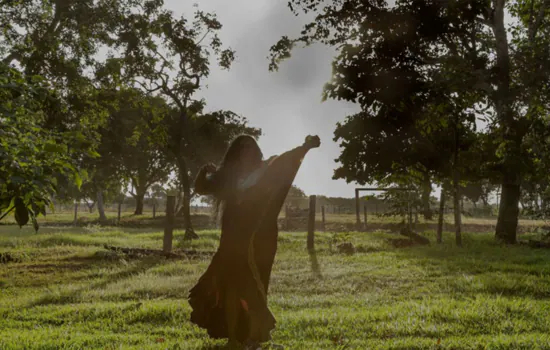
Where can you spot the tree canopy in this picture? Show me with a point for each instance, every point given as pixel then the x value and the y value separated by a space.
pixel 401 62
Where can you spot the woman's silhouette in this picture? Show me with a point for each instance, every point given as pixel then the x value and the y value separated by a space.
pixel 230 298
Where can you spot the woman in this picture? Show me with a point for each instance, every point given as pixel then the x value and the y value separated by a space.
pixel 230 299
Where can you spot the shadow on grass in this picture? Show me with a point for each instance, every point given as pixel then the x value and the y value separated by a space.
pixel 315 267
pixel 73 296
pixel 498 269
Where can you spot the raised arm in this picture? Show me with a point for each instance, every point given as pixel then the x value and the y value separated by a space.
pixel 297 154
pixel 281 170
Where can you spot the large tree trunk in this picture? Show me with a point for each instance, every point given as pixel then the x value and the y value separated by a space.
pixel 139 196
pixel 426 192
pixel 509 202
pixel 441 214
pixel 508 212
pixel 456 187
pixel 100 207
pixel 186 205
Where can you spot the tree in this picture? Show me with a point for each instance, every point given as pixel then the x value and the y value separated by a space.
pixel 295 196
pixel 59 41
pixel 171 57
pixel 134 138
pixel 30 157
pixel 396 133
pixel 463 38
pixel 535 187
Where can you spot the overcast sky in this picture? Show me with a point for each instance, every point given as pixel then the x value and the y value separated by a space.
pixel 286 104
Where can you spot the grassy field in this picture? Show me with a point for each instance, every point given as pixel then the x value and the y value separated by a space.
pixel 67 292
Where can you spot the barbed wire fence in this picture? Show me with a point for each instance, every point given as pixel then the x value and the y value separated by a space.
pixel 339 213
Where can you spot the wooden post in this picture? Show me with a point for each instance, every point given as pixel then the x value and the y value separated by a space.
pixel 365 215
pixel 169 225
pixel 154 210
pixel 357 209
pixel 75 212
pixel 323 216
pixel 441 215
pixel 409 211
pixel 119 212
pixel 311 223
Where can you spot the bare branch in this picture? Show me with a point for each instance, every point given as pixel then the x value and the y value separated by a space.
pixel 203 37
pixel 149 90
pixel 165 62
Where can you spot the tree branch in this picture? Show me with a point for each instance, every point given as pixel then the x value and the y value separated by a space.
pixel 534 26
pixel 12 56
pixel 484 21
pixel 531 12
pixel 481 81
pixel 203 37
pixel 134 181
pixel 183 71
pixel 149 90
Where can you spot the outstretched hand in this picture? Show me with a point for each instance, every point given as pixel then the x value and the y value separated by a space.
pixel 312 141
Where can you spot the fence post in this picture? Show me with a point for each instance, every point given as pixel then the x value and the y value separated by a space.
pixel 119 212
pixel 439 236
pixel 365 215
pixel 154 210
pixel 357 209
pixel 169 224
pixel 75 212
pixel 323 217
pixel 311 223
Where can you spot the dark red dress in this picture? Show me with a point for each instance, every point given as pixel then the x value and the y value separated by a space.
pixel 230 298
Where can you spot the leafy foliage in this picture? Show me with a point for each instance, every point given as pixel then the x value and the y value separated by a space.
pixel 30 156
pixel 429 67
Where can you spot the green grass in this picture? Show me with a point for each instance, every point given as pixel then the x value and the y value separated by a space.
pixel 70 293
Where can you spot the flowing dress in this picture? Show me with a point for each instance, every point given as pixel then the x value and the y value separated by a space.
pixel 230 298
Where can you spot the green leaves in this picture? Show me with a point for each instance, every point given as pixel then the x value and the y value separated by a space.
pixel 280 52
pixel 30 156
pixel 77 180
pixel 21 212
pixel 55 147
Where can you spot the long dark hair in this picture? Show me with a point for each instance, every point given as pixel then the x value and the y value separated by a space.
pixel 230 168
